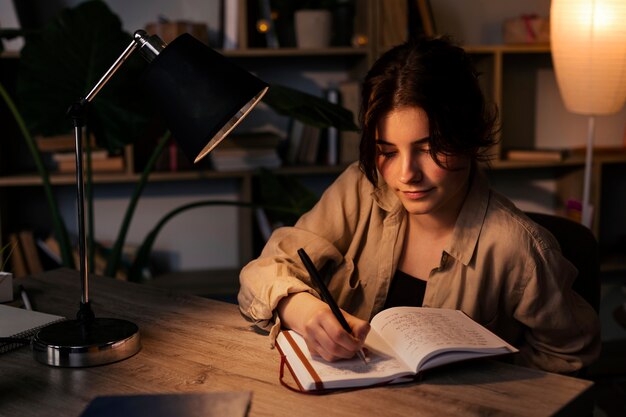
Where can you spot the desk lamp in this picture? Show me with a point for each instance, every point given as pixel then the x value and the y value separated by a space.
pixel 202 97
pixel 589 53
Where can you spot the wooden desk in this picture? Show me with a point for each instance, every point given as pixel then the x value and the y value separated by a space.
pixel 192 344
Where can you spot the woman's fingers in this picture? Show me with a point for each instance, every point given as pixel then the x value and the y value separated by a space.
pixel 326 338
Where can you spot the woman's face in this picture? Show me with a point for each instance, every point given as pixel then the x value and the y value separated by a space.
pixel 404 161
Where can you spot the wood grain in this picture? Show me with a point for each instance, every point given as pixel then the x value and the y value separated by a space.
pixel 192 344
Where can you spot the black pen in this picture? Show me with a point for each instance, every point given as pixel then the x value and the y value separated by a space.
pixel 326 296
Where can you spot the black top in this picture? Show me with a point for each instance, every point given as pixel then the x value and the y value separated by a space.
pixel 405 290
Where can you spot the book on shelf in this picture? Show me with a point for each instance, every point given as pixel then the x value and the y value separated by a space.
pixel 19 323
pixel 30 252
pixel 59 143
pixel 244 160
pixel 62 156
pixel 402 343
pixel 402 20
pixel 532 155
pixel 560 154
pixel 309 145
pixel 294 139
pixel 231 15
pixel 393 19
pixel 113 163
pixel 247 151
pixel 18 261
pixel 303 143
pixel 601 150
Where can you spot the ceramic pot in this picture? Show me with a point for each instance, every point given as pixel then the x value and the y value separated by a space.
pixel 313 28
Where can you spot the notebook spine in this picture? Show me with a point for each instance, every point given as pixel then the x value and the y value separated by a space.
pixel 26 335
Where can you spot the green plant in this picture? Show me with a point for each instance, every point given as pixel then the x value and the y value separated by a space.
pixel 281 196
pixel 65 60
pixel 5 258
pixel 58 224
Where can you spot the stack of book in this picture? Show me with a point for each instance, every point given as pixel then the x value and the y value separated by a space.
pixel 560 154
pixel 247 151
pixel 310 145
pixel 304 144
pixel 536 155
pixel 61 154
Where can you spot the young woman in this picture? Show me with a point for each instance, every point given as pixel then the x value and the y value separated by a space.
pixel 415 223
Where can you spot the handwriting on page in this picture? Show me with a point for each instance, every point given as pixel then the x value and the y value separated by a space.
pixel 378 364
pixel 415 331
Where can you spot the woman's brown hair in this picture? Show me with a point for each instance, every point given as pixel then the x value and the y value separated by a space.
pixel 439 77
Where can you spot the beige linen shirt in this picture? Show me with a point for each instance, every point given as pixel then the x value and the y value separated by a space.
pixel 500 268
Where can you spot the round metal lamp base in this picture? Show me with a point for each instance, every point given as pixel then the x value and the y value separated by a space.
pixel 74 343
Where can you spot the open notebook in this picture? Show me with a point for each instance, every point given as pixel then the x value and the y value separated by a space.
pixel 20 323
pixel 402 342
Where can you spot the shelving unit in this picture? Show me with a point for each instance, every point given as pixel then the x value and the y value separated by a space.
pixel 508 79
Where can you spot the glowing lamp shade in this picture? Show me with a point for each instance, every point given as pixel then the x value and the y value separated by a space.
pixel 589 54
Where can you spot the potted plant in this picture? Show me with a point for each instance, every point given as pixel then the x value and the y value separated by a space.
pixel 49 79
pixel 313 22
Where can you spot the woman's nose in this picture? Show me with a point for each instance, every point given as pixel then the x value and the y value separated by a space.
pixel 410 169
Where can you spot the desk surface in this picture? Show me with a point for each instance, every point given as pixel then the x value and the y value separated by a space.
pixel 193 344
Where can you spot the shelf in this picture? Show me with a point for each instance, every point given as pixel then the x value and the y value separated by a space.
pixel 508 49
pixel 348 51
pixel 115 178
pixel 292 52
pixel 120 178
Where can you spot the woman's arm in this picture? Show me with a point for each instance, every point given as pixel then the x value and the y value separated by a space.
pixel 324 232
pixel 563 331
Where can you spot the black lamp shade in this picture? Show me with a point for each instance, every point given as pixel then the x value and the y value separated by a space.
pixel 199 93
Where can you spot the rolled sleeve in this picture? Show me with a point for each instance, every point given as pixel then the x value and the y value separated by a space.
pixel 263 284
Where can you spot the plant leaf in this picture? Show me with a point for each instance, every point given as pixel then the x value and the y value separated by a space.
pixel 287 192
pixel 307 108
pixel 65 60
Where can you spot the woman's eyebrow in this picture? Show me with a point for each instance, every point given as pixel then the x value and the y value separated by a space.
pixel 415 142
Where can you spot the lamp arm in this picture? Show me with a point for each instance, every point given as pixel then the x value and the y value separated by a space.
pixel 150 47
pixel 107 75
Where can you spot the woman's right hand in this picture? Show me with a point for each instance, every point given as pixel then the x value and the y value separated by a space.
pixel 314 321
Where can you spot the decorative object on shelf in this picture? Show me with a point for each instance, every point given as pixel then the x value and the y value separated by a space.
pixel 265 24
pixel 313 28
pixel 589 52
pixel 528 28
pixel 184 79
pixel 230 24
pixel 168 31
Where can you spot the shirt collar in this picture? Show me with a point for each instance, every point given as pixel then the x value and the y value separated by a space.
pixel 470 221
pixel 385 197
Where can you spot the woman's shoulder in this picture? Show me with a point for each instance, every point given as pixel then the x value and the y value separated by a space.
pixel 505 219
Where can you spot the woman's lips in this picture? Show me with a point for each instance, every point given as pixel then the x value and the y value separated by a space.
pixel 417 194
